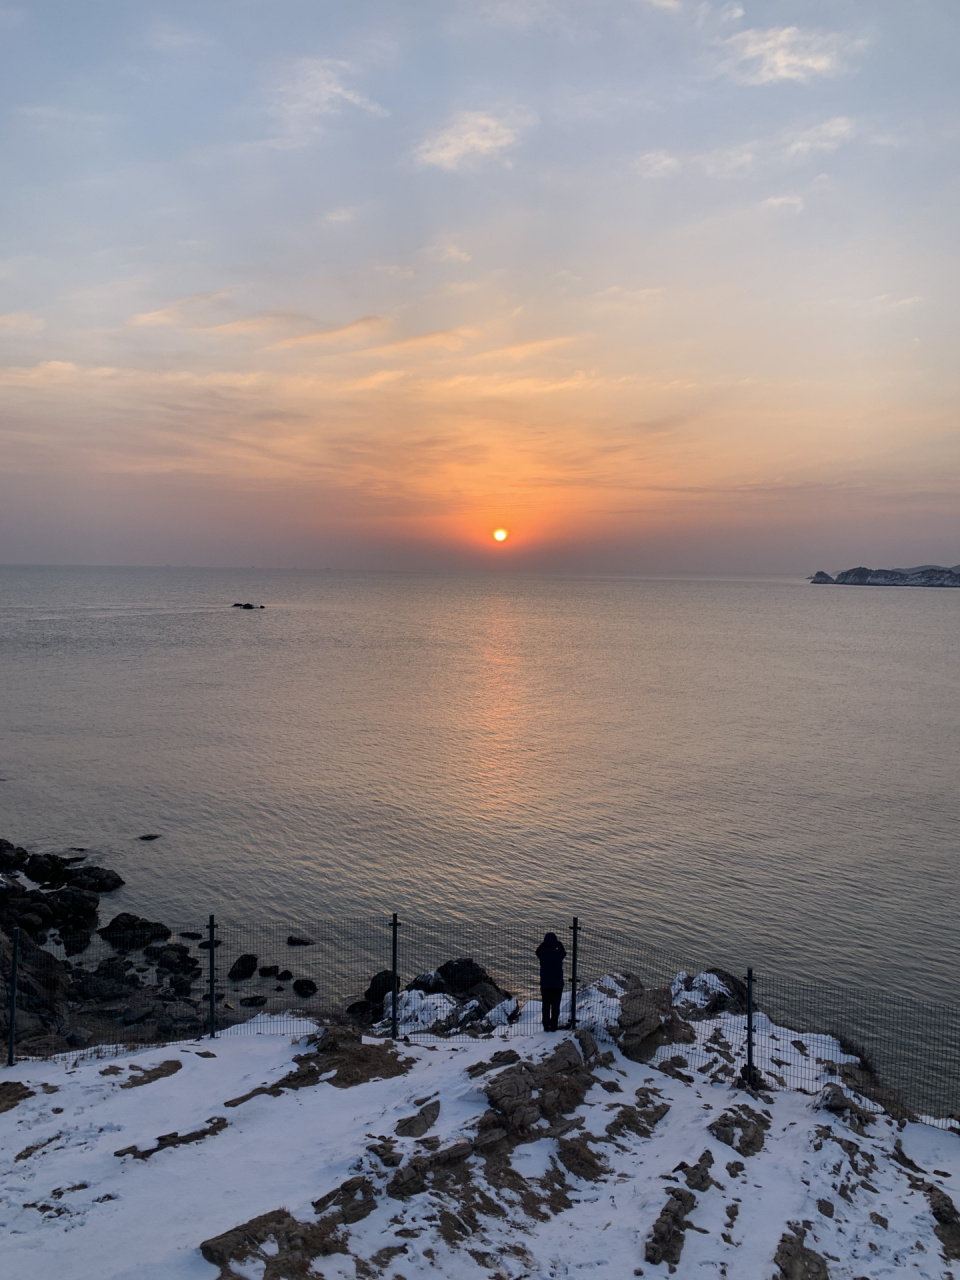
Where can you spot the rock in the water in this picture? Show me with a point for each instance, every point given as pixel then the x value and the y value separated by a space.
pixel 268 970
pixel 243 967
pixel 172 957
pixel 822 578
pixel 154 835
pixel 295 940
pixel 284 975
pixel 12 857
pixel 126 932
pixel 46 868
pixel 253 1002
pixel 305 987
pixel 95 879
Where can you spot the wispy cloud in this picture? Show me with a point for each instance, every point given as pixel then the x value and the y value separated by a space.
pixel 469 136
pixel 447 253
pixel 657 164
pixel 366 325
pixel 828 136
pixel 783 204
pixel 729 162
pixel 178 312
pixel 165 37
pixel 881 304
pixel 440 340
pixel 786 53
pixel 20 322
pixel 346 213
pixel 315 89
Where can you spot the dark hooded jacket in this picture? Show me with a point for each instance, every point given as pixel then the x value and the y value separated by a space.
pixel 550 953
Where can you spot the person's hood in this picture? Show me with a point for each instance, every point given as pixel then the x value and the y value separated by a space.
pixel 550 937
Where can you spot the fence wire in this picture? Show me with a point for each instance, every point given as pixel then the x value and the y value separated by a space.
pixel 130 990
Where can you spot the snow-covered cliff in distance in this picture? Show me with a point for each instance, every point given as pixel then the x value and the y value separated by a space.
pixel 922 575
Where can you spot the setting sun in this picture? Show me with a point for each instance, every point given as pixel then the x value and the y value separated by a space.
pixel 500 535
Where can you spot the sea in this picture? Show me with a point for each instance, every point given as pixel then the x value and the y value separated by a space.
pixel 745 771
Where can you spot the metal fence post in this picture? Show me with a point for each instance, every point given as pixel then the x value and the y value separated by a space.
pixel 14 968
pixel 573 978
pixel 395 926
pixel 750 1075
pixel 212 980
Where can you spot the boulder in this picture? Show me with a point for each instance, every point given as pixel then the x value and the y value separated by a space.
pixel 46 868
pixel 75 941
pixel 381 984
pixel 295 940
pixel 12 857
pixel 109 981
pixel 253 1002
pixel 173 957
pixel 821 578
pixel 43 983
pixel 71 907
pixel 454 978
pixel 284 975
pixel 126 932
pixel 96 879
pixel 243 967
pixel 268 970
pixel 640 1020
pixel 305 987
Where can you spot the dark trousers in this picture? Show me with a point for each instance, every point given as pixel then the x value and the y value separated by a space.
pixel 551 1007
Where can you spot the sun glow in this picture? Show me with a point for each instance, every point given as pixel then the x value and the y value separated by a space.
pixel 500 535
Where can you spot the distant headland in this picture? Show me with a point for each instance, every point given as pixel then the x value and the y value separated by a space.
pixel 923 575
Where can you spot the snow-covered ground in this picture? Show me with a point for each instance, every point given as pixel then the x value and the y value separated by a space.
pixel 574 1161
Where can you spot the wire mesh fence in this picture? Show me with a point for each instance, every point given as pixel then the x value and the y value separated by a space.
pixel 467 978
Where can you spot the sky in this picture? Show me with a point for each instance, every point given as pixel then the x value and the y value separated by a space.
pixel 654 285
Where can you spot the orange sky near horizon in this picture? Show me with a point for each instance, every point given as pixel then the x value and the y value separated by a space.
pixel 649 286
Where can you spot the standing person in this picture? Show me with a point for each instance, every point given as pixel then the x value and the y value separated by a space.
pixel 550 953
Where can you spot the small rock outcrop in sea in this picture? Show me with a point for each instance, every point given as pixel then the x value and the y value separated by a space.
pixel 924 575
pixel 238 605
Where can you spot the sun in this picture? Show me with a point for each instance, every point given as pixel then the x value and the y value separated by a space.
pixel 500 535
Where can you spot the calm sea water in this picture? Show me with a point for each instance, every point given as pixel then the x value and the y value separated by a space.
pixel 742 771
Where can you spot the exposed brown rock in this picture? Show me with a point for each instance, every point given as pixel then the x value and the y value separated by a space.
pixel 697 1176
pixel 947 1229
pixel 751 1125
pixel 215 1125
pixel 796 1261
pixel 13 1092
pixel 666 1237
pixel 528 1092
pixel 416 1126
pixel 139 1076
pixel 298 1243
pixel 339 1048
